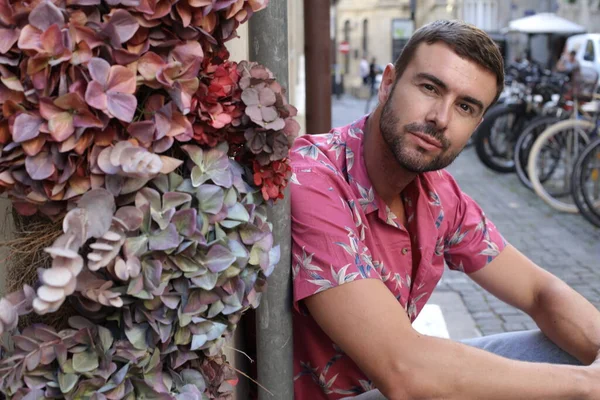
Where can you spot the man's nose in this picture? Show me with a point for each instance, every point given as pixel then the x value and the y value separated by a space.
pixel 440 114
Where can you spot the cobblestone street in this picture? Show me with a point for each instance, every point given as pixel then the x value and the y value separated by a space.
pixel 566 245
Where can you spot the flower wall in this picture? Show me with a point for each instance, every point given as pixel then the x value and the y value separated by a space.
pixel 126 121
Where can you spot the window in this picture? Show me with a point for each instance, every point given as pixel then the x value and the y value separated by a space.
pixel 481 13
pixel 365 36
pixel 347 30
pixel 467 12
pixel 589 51
pixel 494 16
pixel 486 20
pixel 347 40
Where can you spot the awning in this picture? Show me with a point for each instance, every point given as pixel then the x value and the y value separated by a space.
pixel 544 23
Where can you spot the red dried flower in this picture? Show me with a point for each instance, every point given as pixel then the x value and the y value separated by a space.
pixel 206 135
pixel 272 178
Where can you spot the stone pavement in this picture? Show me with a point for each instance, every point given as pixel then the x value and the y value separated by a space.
pixel 566 245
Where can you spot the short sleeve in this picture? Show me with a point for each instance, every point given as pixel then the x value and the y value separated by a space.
pixel 472 241
pixel 326 247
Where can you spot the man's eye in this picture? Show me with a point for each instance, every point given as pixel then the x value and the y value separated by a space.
pixel 429 87
pixel 466 108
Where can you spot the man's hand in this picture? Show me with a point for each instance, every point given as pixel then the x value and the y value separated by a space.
pixel 562 314
pixel 371 327
pixel 593 380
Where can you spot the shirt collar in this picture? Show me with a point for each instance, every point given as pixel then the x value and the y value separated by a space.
pixel 352 136
pixel 356 170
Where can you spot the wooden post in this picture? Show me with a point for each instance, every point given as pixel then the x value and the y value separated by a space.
pixel 318 65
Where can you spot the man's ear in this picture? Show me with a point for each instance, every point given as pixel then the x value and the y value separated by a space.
pixel 387 83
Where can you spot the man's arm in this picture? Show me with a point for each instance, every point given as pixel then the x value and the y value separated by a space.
pixel 567 318
pixel 368 323
pixel 560 65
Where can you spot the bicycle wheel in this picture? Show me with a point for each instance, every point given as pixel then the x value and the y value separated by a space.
pixel 524 144
pixel 494 139
pixel 586 182
pixel 564 140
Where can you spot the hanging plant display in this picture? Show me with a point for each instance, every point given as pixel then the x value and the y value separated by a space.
pixel 141 161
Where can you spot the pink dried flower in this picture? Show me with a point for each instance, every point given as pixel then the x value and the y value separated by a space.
pixel 260 107
pixel 67 113
pixel 111 89
pixel 179 75
pixel 162 125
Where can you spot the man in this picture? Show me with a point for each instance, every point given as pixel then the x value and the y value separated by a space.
pixel 568 63
pixel 373 71
pixel 364 70
pixel 374 218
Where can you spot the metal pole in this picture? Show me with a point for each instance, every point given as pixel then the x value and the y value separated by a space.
pixel 274 345
pixel 317 48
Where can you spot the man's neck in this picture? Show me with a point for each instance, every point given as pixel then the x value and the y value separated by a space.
pixel 387 177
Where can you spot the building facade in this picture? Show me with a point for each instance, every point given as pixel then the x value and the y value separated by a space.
pixel 379 28
pixel 583 12
pixel 493 16
pixel 373 28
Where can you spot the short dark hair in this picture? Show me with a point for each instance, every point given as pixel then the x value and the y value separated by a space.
pixel 465 40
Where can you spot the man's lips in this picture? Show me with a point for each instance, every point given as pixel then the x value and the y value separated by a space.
pixel 428 139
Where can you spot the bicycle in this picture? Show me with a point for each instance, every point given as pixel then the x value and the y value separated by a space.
pixel 562 143
pixel 522 101
pixel 586 182
pixel 524 144
pixel 556 110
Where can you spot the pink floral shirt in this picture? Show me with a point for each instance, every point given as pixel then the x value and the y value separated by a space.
pixel 342 231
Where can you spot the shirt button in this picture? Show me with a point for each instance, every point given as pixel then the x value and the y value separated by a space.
pixel 404 251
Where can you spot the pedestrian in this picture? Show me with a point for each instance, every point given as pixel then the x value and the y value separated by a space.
pixel 373 71
pixel 364 70
pixel 374 219
pixel 568 63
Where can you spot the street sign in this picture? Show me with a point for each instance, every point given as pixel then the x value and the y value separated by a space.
pixel 344 47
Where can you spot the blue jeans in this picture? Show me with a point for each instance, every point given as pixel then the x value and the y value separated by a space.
pixel 531 346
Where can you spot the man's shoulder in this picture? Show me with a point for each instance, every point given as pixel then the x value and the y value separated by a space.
pixel 308 145
pixel 318 153
pixel 320 163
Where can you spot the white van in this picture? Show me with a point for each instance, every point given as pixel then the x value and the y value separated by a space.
pixel 587 46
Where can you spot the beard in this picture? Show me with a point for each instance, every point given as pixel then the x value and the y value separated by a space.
pixel 413 160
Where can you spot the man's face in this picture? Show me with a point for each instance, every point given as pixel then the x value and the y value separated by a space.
pixel 432 110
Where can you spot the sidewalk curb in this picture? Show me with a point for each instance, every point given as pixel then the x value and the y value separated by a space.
pixel 459 322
